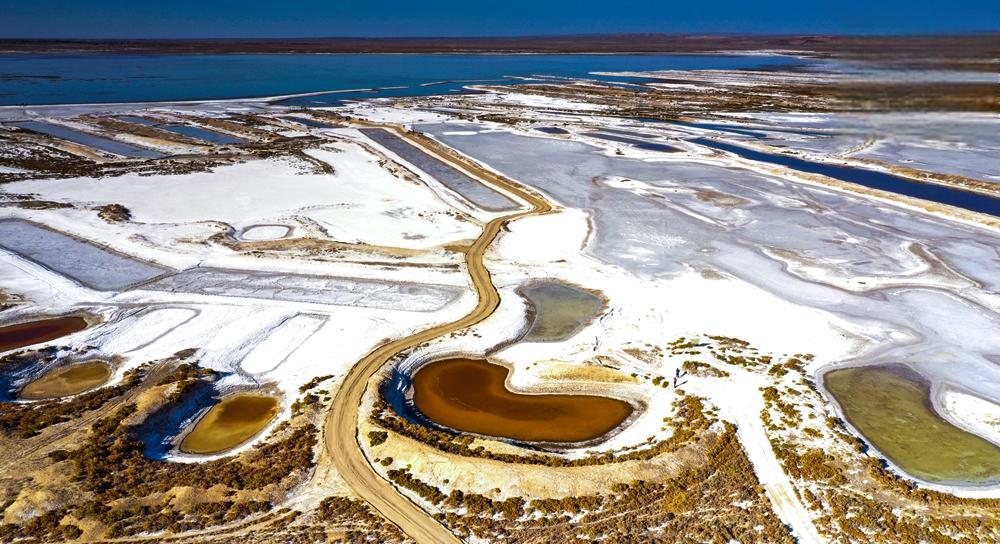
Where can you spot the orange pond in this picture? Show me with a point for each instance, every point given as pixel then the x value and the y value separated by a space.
pixel 36 332
pixel 470 395
pixel 229 423
pixel 68 380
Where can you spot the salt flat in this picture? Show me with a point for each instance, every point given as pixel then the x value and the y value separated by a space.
pixel 331 260
pixel 85 262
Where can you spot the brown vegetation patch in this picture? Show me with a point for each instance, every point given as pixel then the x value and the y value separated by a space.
pixel 312 246
pixel 113 490
pixel 114 213
pixel 583 372
pixel 28 203
pixel 855 497
pixel 721 199
pixel 689 420
pixel 717 501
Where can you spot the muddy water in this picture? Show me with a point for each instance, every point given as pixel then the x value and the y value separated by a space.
pixel 890 405
pixel 230 423
pixel 559 310
pixel 68 380
pixel 36 332
pixel 470 395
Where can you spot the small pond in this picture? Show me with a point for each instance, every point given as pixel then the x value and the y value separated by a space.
pixel 558 310
pixel 68 380
pixel 471 395
pixel 231 422
pixel 890 406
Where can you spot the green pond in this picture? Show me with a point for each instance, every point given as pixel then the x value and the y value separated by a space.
pixel 890 405
pixel 559 310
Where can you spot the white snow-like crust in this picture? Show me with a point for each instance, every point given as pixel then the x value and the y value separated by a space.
pixel 680 244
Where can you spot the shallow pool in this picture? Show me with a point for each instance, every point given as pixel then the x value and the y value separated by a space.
pixel 890 406
pixel 231 422
pixel 470 395
pixel 68 380
pixel 36 332
pixel 558 310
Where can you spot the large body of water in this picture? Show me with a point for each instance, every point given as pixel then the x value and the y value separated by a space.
pixel 100 78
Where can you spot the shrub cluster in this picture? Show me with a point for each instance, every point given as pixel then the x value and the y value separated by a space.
pixel 27 420
pixel 689 421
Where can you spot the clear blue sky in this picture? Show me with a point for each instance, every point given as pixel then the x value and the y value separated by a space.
pixel 307 18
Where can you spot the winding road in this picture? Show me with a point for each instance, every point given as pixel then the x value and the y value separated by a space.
pixel 340 431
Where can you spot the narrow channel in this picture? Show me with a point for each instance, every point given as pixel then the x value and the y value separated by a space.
pixel 869 178
pixel 449 176
pixel 89 140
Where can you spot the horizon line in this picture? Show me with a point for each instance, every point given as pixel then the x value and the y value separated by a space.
pixel 533 36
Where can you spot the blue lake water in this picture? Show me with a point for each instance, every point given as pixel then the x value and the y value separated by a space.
pixel 309 122
pixel 99 78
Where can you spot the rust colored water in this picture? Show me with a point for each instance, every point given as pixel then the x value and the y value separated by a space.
pixel 68 380
pixel 230 423
pixel 36 332
pixel 470 395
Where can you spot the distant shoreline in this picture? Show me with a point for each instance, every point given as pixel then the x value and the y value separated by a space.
pixel 954 46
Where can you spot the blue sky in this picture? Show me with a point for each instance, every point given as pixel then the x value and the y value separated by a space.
pixel 298 18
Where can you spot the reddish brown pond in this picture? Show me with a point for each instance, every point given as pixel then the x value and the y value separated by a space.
pixel 470 395
pixel 36 332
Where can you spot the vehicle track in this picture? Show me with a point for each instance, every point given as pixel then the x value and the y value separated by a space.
pixel 341 440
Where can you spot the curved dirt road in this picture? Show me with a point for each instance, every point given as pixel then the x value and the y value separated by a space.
pixel 341 426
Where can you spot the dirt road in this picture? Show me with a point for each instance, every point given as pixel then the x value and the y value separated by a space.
pixel 341 440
